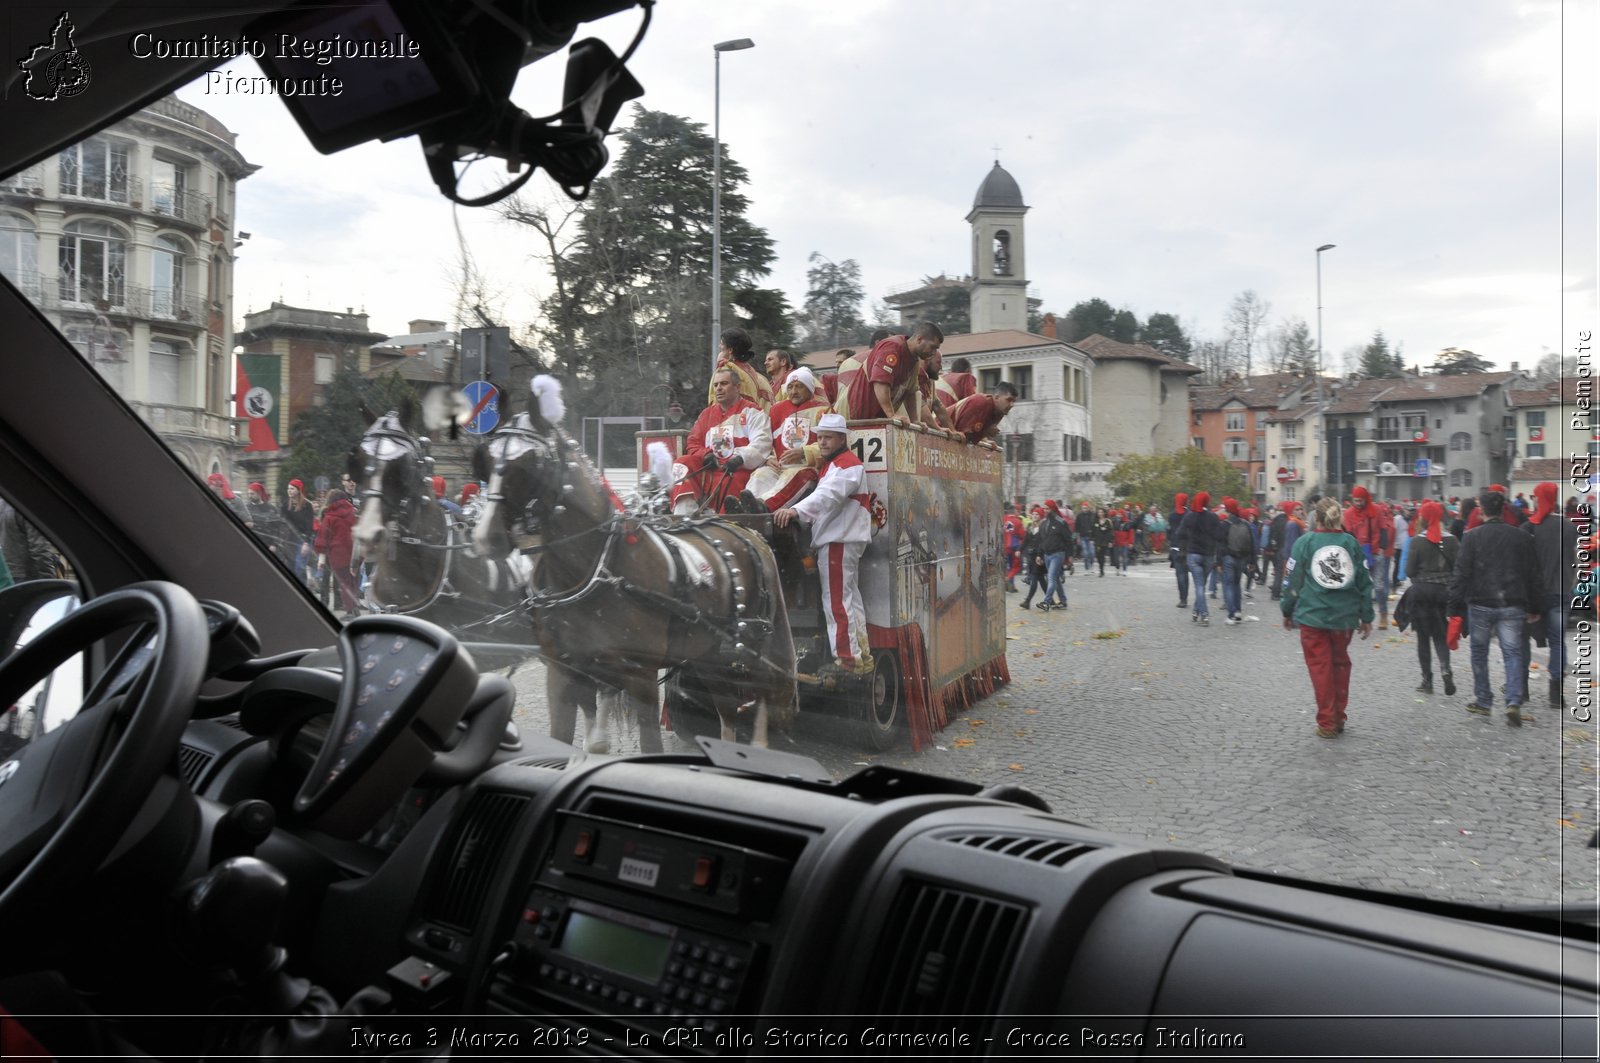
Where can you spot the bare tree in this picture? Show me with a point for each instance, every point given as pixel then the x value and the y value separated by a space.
pixel 1246 321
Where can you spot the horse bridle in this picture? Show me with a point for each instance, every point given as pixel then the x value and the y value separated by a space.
pixel 386 441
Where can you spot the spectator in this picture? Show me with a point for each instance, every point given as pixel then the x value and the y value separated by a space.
pixel 1497 587
pixel 1328 595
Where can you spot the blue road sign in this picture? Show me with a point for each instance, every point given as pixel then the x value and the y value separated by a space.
pixel 1424 467
pixel 484 402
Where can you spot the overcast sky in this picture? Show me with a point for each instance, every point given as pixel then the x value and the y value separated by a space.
pixel 1173 154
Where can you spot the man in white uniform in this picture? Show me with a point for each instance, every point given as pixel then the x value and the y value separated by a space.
pixel 841 526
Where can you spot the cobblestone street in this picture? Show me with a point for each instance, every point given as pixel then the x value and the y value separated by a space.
pixel 1127 717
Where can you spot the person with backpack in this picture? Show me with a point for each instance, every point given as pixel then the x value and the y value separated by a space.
pixel 1238 554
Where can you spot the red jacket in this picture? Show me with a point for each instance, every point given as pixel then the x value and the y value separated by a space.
pixel 336 536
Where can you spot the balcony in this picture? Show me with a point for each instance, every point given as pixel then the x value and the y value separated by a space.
pixel 186 206
pixel 187 420
pixel 29 183
pixel 163 304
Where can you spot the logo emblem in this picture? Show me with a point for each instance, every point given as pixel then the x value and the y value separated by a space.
pixel 1331 568
pixel 55 70
pixel 258 402
pixel 8 769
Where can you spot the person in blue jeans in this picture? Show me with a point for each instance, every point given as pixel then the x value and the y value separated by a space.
pixel 1497 586
pixel 1200 535
pixel 1054 541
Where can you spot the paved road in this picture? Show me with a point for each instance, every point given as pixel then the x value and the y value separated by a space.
pixel 1204 738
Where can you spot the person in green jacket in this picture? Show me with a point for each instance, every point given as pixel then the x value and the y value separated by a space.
pixel 1328 594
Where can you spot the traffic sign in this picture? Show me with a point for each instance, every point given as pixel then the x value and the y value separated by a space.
pixel 1424 467
pixel 484 402
pixel 1284 475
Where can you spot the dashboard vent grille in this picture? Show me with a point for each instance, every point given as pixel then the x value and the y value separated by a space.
pixel 192 763
pixel 945 955
pixel 475 846
pixel 552 763
pixel 1053 852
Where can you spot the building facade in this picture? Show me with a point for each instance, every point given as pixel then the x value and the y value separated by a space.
pixel 126 243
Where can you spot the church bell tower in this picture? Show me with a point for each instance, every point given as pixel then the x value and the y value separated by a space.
pixel 999 283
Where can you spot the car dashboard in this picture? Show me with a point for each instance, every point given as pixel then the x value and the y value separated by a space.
pixel 688 906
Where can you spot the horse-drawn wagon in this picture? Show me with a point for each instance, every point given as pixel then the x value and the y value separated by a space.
pixel 930 579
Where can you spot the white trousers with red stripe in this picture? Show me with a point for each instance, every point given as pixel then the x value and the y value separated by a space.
pixel 839 565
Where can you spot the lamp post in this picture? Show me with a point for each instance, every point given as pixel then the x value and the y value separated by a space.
pixel 1322 434
pixel 716 192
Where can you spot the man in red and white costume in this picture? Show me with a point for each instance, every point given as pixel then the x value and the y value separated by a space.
pixel 791 471
pixel 730 439
pixel 841 526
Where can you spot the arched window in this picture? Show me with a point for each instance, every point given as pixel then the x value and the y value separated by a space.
pixel 93 264
pixel 1460 477
pixel 1002 254
pixel 19 253
pixel 166 276
pixel 1461 441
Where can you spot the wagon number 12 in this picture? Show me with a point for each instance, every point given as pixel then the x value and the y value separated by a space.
pixel 869 450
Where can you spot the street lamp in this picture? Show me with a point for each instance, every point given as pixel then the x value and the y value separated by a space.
pixel 1322 435
pixel 716 193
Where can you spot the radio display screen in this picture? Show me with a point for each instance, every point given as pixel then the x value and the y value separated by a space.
pixel 623 949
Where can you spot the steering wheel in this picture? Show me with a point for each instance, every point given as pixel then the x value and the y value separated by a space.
pixel 68 796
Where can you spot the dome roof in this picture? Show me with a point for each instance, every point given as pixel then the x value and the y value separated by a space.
pixel 999 189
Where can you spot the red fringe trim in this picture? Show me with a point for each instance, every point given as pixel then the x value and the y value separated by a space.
pixel 928 711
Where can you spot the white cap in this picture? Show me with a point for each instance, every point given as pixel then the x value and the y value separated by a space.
pixel 832 422
pixel 802 376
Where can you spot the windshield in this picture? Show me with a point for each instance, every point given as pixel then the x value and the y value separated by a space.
pixel 1267 252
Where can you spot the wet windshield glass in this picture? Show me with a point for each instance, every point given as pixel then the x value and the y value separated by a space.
pixel 1205 272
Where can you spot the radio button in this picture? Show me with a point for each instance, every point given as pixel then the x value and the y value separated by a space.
pixel 698 953
pixel 583 848
pixel 725 984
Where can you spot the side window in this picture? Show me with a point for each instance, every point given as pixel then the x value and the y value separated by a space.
pixel 32 599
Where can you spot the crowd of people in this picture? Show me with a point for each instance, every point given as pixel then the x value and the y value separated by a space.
pixel 313 534
pixel 1490 567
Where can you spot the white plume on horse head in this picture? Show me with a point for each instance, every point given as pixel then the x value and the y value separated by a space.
pixel 443 406
pixel 547 391
pixel 660 463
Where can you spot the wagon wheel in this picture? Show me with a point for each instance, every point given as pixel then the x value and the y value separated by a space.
pixel 878 708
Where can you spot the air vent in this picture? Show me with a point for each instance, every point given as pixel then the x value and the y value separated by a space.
pixel 944 958
pixel 1053 852
pixel 474 846
pixel 545 761
pixel 192 763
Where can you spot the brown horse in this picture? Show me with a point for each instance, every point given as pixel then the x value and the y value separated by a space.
pixel 423 562
pixel 620 597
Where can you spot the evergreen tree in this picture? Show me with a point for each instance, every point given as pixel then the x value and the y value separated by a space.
pixel 1294 350
pixel 322 436
pixel 631 310
pixel 1453 361
pixel 832 314
pixel 1163 332
pixel 1096 317
pixel 1377 360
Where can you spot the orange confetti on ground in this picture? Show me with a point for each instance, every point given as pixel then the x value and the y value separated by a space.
pixel 1030 712
pixel 1015 767
pixel 964 743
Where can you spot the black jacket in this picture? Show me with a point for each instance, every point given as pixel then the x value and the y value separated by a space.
pixel 1555 544
pixel 1497 567
pixel 1203 533
pixel 1055 537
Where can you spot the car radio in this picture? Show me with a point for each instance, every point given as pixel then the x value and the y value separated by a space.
pixel 604 959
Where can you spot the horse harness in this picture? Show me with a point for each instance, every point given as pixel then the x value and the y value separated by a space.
pixel 745 631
